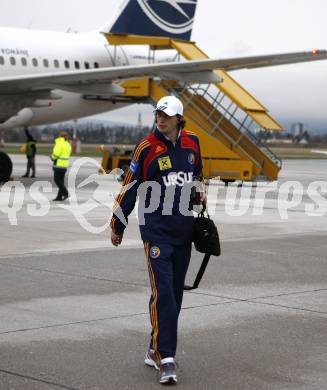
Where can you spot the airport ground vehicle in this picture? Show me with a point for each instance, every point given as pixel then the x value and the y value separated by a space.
pixel 115 157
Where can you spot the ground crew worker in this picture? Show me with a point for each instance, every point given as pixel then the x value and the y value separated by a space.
pixel 60 157
pixel 170 157
pixel 30 152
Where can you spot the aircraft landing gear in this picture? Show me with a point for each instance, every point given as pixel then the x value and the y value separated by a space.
pixel 5 167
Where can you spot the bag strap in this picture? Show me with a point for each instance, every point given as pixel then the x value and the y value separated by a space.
pixel 205 260
pixel 203 211
pixel 198 278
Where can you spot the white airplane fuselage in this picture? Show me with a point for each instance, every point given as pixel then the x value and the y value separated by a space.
pixel 27 52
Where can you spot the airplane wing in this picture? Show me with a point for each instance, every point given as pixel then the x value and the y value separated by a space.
pixel 272 60
pixel 99 81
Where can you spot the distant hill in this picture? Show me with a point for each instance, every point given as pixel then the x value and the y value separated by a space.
pixel 314 126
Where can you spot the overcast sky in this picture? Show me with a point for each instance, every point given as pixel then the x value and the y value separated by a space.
pixel 222 29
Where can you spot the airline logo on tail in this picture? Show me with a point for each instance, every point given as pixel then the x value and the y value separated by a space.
pixel 182 21
pixel 168 18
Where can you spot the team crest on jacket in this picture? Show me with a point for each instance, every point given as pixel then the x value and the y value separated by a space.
pixel 155 252
pixel 164 163
pixel 191 158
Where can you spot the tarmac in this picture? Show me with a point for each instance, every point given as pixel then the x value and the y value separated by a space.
pixel 74 309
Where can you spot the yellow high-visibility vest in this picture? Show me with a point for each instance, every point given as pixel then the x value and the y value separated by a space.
pixel 61 153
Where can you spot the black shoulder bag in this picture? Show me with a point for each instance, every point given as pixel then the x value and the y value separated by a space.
pixel 206 240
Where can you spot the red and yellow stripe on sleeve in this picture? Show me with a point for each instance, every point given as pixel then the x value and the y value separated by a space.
pixel 129 175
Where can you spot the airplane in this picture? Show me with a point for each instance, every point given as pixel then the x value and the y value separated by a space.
pixel 48 77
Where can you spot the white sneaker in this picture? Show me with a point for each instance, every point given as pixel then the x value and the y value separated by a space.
pixel 168 371
pixel 151 360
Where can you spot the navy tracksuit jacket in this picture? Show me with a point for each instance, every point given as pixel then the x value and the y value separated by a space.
pixel 161 174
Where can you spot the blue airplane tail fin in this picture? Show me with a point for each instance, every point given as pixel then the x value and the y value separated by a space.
pixel 163 18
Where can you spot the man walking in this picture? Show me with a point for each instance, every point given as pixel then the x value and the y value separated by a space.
pixel 169 158
pixel 30 152
pixel 60 157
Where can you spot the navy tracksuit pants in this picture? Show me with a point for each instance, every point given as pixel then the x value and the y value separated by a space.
pixel 167 265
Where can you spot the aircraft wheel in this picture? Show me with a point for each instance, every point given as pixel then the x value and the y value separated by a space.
pixel 5 167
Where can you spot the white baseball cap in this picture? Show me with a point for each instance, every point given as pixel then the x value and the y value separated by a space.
pixel 170 105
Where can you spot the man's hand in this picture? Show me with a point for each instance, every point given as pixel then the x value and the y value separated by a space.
pixel 116 239
pixel 203 199
pixel 202 196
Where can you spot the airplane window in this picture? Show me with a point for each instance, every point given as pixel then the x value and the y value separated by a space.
pixel 46 63
pixel 24 61
pixel 35 62
pixel 96 65
pixel 12 60
pixel 87 65
pixel 67 65
pixel 2 60
pixel 77 66
pixel 56 63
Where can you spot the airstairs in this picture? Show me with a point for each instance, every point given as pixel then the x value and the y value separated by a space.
pixel 224 116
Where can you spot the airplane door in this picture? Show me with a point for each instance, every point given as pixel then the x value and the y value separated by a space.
pixel 117 55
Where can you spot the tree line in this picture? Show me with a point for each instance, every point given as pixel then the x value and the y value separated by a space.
pixel 86 133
